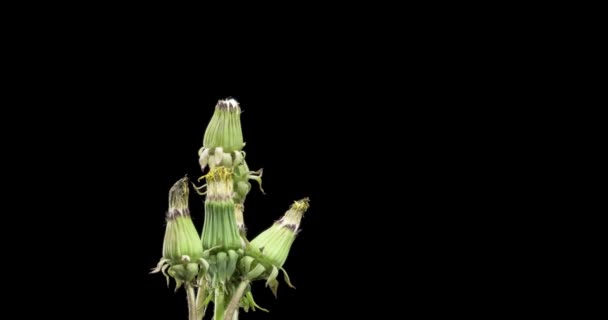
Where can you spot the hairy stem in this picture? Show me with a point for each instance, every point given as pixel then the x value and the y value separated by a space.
pixel 233 306
pixel 191 301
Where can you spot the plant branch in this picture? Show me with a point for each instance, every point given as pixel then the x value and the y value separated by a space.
pixel 191 301
pixel 220 305
pixel 233 306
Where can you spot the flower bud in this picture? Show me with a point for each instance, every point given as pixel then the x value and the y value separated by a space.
pixel 224 129
pixel 242 175
pixel 181 237
pixel 275 242
pixel 182 249
pixel 220 228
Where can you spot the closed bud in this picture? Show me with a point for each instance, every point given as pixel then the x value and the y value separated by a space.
pixel 224 129
pixel 275 242
pixel 181 237
pixel 220 229
pixel 182 249
pixel 242 175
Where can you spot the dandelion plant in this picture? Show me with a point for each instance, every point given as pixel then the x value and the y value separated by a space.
pixel 218 266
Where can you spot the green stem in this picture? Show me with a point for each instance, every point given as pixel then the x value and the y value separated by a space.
pixel 191 301
pixel 220 305
pixel 201 296
pixel 233 306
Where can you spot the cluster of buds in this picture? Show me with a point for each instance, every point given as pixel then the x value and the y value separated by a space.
pixel 221 263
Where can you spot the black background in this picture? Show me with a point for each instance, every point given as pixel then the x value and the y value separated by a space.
pixel 378 143
pixel 376 158
pixel 404 127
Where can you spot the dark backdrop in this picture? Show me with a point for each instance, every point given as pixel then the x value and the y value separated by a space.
pixel 380 145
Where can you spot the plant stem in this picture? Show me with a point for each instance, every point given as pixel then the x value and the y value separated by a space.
pixel 233 306
pixel 220 306
pixel 191 301
pixel 201 296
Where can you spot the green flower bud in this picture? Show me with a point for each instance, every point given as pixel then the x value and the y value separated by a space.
pixel 181 237
pixel 242 175
pixel 275 242
pixel 182 249
pixel 184 272
pixel 220 229
pixel 242 189
pixel 224 129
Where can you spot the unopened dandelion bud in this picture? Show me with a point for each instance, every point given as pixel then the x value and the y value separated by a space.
pixel 242 189
pixel 275 242
pixel 220 229
pixel 224 129
pixel 182 249
pixel 181 237
pixel 185 273
pixel 242 186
